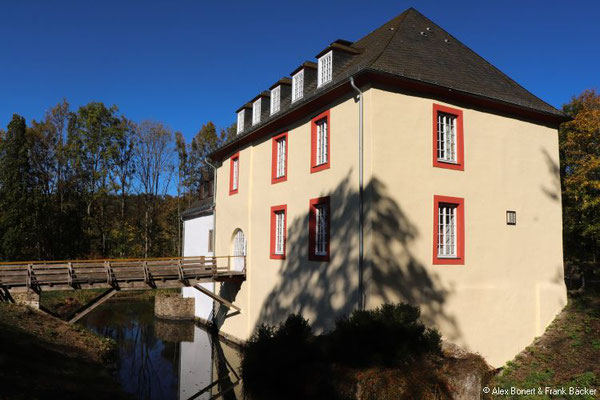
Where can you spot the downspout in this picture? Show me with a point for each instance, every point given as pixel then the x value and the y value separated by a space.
pixel 361 294
pixel 214 208
pixel 212 317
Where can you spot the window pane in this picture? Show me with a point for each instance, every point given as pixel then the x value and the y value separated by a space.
pixel 446 232
pixel 279 231
pixel 275 99
pixel 298 85
pixel 281 147
pixel 321 238
pixel 256 112
pixel 235 174
pixel 240 121
pixel 322 150
pixel 325 68
pixel 446 137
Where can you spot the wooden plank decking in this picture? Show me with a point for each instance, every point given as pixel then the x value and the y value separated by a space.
pixel 117 273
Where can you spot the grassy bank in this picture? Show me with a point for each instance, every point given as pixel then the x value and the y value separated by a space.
pixel 567 355
pixel 44 357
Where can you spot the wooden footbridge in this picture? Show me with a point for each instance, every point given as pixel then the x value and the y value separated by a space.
pixel 120 274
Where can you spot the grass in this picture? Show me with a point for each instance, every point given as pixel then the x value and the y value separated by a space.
pixel 567 355
pixel 48 358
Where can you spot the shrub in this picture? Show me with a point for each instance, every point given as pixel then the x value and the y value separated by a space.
pixel 284 362
pixel 288 362
pixel 390 335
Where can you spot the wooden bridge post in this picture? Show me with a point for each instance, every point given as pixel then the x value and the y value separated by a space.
pixel 71 274
pixel 110 278
pixel 182 278
pixel 31 280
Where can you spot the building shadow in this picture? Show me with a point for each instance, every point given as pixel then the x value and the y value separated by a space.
pixel 229 291
pixel 325 291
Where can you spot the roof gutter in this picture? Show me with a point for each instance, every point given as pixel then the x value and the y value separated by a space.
pixel 361 291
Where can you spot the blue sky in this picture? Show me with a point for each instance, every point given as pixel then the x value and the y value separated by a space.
pixel 188 62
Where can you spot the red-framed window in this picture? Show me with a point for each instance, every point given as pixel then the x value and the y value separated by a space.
pixel 279 161
pixel 448 230
pixel 320 142
pixel 319 229
pixel 278 231
pixel 234 174
pixel 448 138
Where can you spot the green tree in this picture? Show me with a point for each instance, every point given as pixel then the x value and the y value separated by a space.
pixel 580 179
pixel 18 222
pixel 93 145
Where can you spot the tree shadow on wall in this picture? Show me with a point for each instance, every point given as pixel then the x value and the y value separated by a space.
pixel 554 191
pixel 324 291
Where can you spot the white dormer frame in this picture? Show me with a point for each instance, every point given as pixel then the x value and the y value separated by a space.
pixel 240 121
pixel 325 69
pixel 275 99
pixel 256 110
pixel 298 85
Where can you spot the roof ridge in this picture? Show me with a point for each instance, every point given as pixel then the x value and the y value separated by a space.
pixel 401 17
pixel 489 64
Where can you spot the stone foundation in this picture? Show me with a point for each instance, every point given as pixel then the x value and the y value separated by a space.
pixel 30 299
pixel 174 307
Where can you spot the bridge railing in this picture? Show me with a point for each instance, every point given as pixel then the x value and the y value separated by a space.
pixel 113 271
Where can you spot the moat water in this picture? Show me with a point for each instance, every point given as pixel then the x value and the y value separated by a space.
pixel 164 360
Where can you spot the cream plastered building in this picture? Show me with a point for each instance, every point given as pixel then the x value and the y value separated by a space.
pixel 461 206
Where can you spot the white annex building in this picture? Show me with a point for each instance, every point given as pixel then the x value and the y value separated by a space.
pixel 198 240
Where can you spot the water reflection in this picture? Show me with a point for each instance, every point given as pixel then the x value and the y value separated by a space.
pixel 162 360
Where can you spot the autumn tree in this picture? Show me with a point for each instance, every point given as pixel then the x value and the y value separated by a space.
pixel 580 179
pixel 153 157
pixel 193 157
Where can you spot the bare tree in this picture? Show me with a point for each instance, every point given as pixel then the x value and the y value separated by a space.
pixel 153 155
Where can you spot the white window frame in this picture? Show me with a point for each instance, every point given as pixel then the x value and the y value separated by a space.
pixel 322 155
pixel 256 110
pixel 325 69
pixel 298 85
pixel 321 239
pixel 210 248
pixel 447 142
pixel 447 244
pixel 279 232
pixel 236 173
pixel 240 121
pixel 281 156
pixel 275 100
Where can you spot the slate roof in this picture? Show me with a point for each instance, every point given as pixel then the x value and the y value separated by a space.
pixel 412 46
pixel 435 56
pixel 197 208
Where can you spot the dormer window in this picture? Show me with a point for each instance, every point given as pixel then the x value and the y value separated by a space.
pixel 275 100
pixel 256 112
pixel 298 86
pixel 325 69
pixel 240 122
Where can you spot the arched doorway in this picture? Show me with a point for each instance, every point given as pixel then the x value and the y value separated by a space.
pixel 239 249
